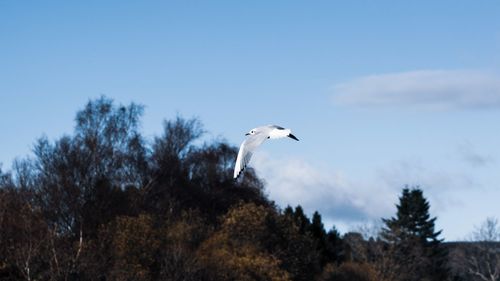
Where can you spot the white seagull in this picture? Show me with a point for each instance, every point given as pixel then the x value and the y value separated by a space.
pixel 255 138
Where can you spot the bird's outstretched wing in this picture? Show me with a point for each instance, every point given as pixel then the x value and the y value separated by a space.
pixel 245 153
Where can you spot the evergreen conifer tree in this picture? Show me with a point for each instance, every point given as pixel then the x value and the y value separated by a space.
pixel 316 228
pixel 301 220
pixel 417 245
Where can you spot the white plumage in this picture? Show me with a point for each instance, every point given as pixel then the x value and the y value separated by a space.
pixel 255 138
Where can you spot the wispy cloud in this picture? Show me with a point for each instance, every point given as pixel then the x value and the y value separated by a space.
pixel 429 89
pixel 439 185
pixel 468 153
pixel 413 172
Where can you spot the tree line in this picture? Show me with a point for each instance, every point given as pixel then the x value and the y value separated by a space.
pixel 105 203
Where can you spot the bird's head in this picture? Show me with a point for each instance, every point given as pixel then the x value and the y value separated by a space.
pixel 252 132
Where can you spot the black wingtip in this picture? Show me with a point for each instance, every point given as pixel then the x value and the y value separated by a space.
pixel 239 173
pixel 293 137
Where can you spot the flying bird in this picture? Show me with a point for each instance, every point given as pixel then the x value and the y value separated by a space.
pixel 255 138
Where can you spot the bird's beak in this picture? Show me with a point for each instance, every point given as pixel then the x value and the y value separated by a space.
pixel 247 134
pixel 293 137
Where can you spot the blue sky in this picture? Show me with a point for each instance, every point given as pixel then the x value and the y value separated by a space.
pixel 381 93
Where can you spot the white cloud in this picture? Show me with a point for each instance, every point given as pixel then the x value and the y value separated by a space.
pixel 340 201
pixel 429 89
pixel 347 203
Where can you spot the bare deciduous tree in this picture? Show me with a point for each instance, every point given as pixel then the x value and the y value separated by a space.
pixel 484 261
pixel 478 258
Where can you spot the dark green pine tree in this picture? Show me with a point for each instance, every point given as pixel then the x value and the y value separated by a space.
pixel 288 211
pixel 328 245
pixel 417 245
pixel 301 220
pixel 318 233
pixel 316 227
pixel 334 246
